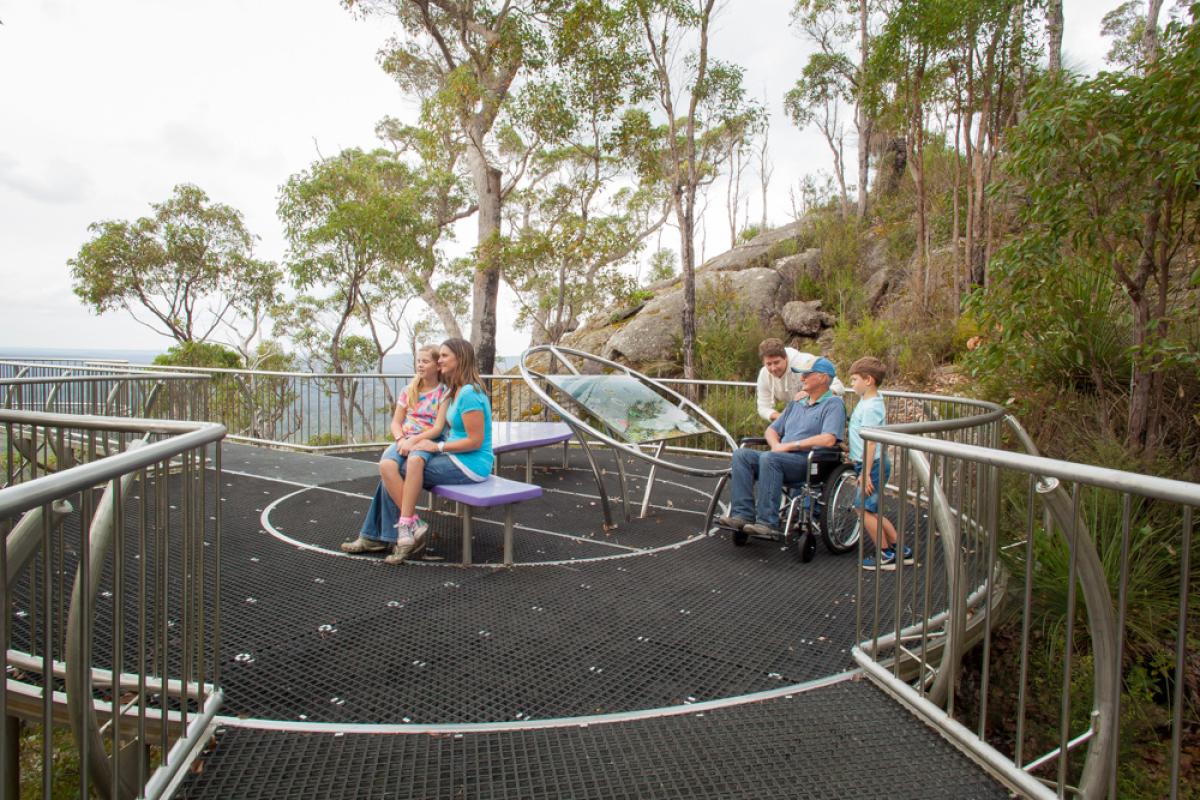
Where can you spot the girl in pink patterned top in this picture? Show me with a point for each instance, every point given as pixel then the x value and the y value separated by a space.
pixel 418 405
pixel 420 414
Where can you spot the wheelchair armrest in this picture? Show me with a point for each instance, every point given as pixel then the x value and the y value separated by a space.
pixel 747 441
pixel 825 455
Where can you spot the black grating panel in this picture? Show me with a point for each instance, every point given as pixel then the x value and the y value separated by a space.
pixel 844 741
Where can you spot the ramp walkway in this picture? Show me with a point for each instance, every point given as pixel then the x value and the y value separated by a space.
pixel 650 660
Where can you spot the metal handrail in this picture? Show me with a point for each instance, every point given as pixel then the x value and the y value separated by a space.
pixel 115 471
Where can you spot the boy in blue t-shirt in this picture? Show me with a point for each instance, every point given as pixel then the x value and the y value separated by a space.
pixel 870 462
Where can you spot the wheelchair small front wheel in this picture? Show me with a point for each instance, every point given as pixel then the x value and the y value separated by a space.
pixel 841 527
pixel 805 547
pixel 740 538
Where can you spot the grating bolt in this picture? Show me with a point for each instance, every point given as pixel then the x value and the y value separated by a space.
pixel 244 658
pixel 251 600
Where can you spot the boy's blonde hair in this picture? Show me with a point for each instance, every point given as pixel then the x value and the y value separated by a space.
pixel 869 367
pixel 413 393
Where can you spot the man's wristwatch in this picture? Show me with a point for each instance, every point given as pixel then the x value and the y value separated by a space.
pixel 441 447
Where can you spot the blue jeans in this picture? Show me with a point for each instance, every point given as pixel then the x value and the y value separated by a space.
pixel 383 514
pixel 771 471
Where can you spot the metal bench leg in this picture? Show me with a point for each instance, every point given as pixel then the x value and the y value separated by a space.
pixel 529 466
pixel 508 535
pixel 650 480
pixel 466 534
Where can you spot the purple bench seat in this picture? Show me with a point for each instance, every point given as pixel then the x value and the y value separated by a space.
pixel 495 491
pixel 509 437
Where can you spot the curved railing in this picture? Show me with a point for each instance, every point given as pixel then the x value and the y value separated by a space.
pixel 137 496
pixel 952 494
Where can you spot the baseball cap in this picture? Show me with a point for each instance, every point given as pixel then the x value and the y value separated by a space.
pixel 822 364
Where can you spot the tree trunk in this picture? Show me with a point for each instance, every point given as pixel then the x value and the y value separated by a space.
pixel 1054 32
pixel 1150 36
pixel 443 311
pixel 487 270
pixel 862 121
pixel 685 212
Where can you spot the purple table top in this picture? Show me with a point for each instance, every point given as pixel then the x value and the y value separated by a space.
pixel 495 491
pixel 510 436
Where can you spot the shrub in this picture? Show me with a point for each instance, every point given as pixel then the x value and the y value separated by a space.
pixel 199 354
pixel 735 410
pixel 727 333
pixel 866 337
pixel 783 249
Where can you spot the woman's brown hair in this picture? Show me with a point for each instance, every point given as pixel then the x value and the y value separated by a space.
pixel 468 370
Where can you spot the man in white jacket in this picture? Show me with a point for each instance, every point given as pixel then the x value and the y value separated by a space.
pixel 779 380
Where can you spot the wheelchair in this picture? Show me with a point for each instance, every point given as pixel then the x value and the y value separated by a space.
pixel 823 504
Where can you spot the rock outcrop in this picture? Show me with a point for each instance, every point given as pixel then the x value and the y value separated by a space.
pixel 760 276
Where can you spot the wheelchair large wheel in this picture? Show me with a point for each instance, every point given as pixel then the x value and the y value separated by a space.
pixel 841 526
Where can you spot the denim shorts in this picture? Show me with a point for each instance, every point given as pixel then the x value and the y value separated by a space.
pixel 440 470
pixel 871 504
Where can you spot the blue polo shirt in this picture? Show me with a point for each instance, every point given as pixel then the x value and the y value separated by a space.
pixel 801 420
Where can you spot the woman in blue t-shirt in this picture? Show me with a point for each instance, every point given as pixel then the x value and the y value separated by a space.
pixel 464 455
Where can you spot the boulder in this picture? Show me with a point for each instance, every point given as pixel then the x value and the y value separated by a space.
pixel 805 317
pixel 653 334
pixel 792 267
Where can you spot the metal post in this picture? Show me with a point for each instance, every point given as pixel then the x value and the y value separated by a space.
pixel 466 535
pixel 508 535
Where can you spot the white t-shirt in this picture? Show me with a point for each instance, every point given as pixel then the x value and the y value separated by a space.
pixel 772 390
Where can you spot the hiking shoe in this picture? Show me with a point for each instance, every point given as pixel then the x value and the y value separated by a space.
pixel 733 523
pixel 364 545
pixel 887 560
pixel 762 529
pixel 908 558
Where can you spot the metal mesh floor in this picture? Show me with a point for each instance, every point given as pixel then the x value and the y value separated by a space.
pixel 843 741
pixel 591 621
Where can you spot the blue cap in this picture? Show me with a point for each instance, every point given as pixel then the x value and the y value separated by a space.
pixel 822 364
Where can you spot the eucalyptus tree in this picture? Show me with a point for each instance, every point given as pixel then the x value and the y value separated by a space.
pixel 1104 172
pixel 466 57
pixel 701 105
pixel 836 73
pixel 815 100
pixel 186 271
pixel 994 56
pixel 583 214
pixel 354 224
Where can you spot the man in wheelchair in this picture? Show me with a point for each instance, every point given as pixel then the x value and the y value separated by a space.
pixel 816 421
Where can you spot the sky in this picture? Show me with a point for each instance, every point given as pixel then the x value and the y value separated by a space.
pixel 107 106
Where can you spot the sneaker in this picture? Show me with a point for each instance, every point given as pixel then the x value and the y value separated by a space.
pixel 420 538
pixel 400 552
pixel 364 545
pixel 762 529
pixel 733 523
pixel 908 558
pixel 887 560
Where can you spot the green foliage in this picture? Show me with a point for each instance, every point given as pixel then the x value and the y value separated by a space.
pixel 1095 289
pixel 325 440
pixel 736 411
pixel 748 233
pixel 782 249
pixel 664 265
pixel 199 354
pixel 836 284
pixel 188 267
pixel 866 337
pixel 727 333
